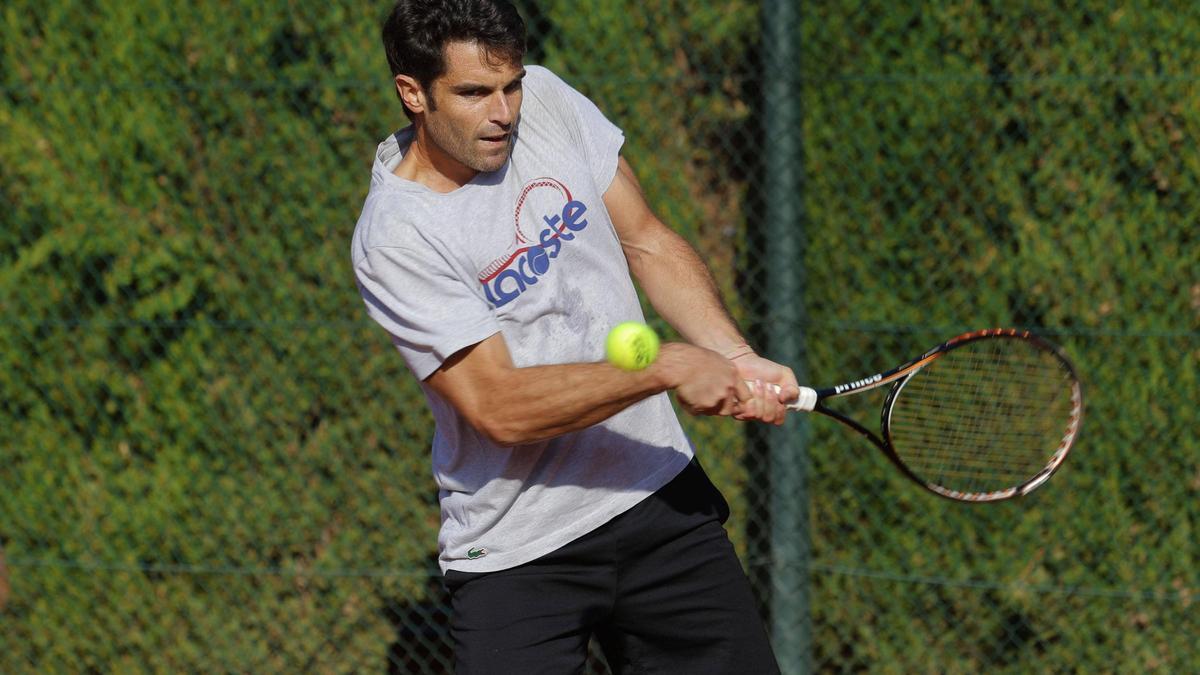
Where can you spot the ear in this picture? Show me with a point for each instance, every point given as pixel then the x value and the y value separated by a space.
pixel 411 93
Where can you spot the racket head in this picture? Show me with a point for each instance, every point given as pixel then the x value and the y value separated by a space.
pixel 988 415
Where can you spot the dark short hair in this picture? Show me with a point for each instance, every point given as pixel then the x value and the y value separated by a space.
pixel 416 32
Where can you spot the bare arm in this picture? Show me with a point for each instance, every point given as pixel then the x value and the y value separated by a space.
pixel 682 290
pixel 674 278
pixel 515 406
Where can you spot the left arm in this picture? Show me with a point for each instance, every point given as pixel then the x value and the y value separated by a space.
pixel 682 290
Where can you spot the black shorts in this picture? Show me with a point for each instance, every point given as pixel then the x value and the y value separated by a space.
pixel 659 586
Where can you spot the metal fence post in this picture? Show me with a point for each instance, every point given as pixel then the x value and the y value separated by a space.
pixel 791 625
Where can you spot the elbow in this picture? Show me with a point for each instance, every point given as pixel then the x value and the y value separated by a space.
pixel 497 421
pixel 503 431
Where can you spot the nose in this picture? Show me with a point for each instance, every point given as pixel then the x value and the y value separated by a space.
pixel 501 110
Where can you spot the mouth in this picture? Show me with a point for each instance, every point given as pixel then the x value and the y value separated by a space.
pixel 497 140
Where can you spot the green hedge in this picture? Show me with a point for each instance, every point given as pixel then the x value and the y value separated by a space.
pixel 978 165
pixel 206 436
pixel 211 460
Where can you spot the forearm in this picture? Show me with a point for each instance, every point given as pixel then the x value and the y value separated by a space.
pixel 683 292
pixel 517 406
pixel 540 402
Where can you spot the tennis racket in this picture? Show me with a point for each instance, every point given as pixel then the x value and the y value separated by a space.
pixel 984 416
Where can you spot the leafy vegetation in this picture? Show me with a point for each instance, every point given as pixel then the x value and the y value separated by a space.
pixel 211 460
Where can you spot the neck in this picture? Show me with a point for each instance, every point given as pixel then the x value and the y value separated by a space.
pixel 429 165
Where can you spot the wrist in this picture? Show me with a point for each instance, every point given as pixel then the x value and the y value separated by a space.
pixel 667 371
pixel 737 351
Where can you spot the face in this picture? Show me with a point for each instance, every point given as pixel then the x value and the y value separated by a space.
pixel 471 111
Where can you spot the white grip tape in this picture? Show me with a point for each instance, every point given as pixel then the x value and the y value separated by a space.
pixel 805 402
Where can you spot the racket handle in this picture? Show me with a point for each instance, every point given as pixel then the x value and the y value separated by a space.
pixel 805 402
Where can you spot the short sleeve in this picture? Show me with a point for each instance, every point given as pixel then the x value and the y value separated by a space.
pixel 590 130
pixel 430 310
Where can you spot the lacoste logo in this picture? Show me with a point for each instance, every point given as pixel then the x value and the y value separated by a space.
pixel 538 241
pixel 475 553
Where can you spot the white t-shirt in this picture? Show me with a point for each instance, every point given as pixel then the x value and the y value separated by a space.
pixel 528 251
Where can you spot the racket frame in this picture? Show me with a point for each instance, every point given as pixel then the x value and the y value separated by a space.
pixel 899 376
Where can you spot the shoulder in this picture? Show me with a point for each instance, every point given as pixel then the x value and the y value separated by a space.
pixel 546 87
pixel 391 219
pixel 540 77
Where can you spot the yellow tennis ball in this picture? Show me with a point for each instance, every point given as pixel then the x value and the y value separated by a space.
pixel 631 345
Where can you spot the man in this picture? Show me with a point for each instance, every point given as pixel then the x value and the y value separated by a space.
pixel 496 246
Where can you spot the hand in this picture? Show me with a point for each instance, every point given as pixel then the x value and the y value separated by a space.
pixel 705 382
pixel 767 405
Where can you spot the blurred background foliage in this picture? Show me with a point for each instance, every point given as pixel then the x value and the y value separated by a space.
pixel 210 459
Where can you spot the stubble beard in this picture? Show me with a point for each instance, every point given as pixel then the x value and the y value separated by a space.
pixel 464 148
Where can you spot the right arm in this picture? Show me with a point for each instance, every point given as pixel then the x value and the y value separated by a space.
pixel 541 402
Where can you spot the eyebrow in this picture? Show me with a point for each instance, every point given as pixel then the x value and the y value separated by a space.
pixel 467 87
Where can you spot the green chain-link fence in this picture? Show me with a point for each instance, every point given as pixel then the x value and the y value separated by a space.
pixel 211 461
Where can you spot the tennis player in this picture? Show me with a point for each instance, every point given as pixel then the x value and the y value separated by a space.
pixel 496 247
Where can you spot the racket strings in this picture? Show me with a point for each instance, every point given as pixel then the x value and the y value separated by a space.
pixel 986 416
